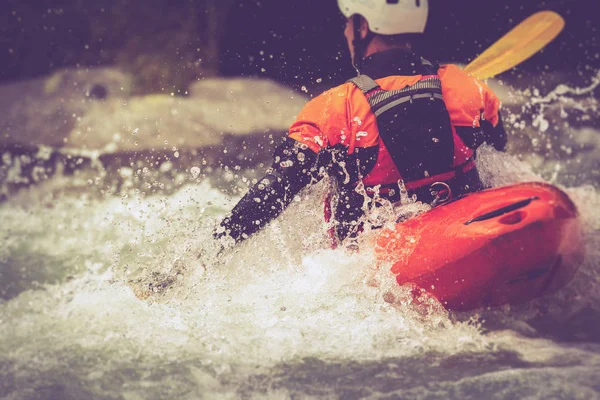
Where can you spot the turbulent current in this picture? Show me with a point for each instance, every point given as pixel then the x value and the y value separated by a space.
pixel 121 293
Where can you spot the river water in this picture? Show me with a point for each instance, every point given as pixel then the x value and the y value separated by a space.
pixel 123 294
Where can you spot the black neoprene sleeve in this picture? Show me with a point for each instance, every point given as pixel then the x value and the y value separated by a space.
pixel 496 135
pixel 493 135
pixel 294 167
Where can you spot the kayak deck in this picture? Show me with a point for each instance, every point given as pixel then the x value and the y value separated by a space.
pixel 499 246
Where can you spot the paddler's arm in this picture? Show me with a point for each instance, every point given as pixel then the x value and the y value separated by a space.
pixel 302 159
pixel 294 167
pixel 494 135
pixel 474 108
pixel 491 120
pixel 491 129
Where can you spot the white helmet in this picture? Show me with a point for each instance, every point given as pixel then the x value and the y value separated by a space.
pixel 389 17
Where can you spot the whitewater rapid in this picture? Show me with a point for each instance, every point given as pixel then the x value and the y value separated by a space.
pixel 127 296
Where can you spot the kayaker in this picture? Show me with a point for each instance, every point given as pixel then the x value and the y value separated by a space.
pixel 403 121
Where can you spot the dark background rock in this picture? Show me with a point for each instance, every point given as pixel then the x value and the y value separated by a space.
pixel 165 44
pixel 162 44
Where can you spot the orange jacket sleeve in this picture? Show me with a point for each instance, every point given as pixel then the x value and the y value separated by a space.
pixel 323 121
pixel 466 96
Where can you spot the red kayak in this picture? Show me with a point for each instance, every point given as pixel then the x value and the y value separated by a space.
pixel 495 247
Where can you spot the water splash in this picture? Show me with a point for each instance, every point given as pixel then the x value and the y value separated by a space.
pixel 127 296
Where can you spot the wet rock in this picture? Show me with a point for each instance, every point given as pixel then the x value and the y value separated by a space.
pixel 45 111
pixel 214 109
pixel 92 109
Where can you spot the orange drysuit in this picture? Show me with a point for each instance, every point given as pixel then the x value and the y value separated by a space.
pixel 343 116
pixel 403 121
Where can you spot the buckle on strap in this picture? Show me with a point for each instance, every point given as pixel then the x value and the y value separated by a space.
pixel 441 193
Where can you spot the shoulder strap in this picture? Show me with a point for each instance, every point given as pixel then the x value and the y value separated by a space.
pixel 365 83
pixel 383 100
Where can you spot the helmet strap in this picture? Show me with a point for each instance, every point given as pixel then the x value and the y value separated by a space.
pixel 360 44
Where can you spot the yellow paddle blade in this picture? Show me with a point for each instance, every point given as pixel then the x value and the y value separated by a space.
pixel 523 41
